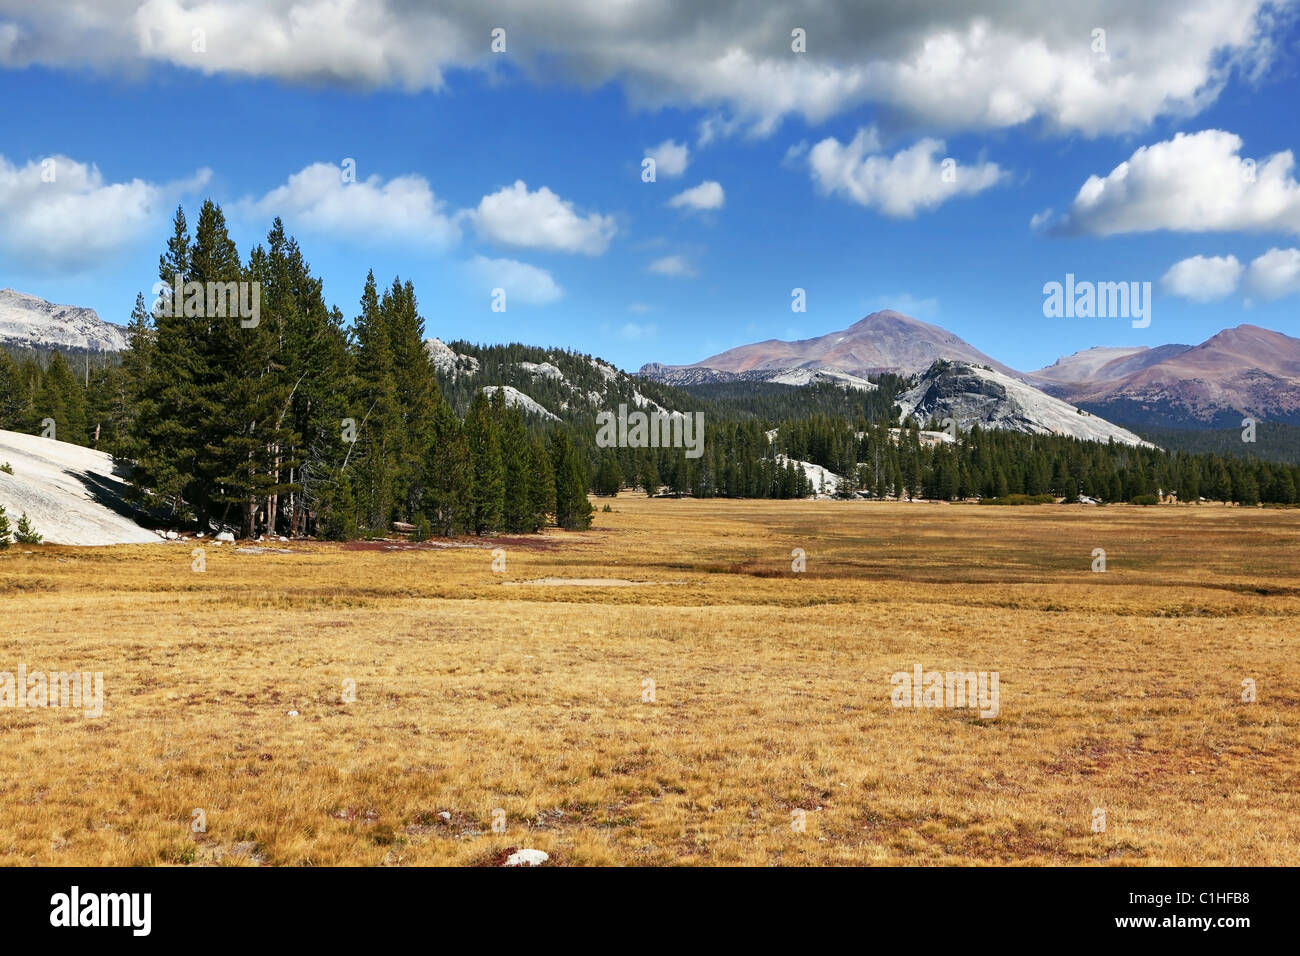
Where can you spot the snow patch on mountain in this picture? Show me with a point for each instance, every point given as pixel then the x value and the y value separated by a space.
pixel 28 321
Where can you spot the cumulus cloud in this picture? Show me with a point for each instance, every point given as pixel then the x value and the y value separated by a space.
pixel 514 216
pixel 1275 274
pixel 1195 182
pixel 1202 278
pixel 670 158
pixel 912 179
pixel 707 195
pixel 977 64
pixel 317 199
pixel 60 214
pixel 523 283
pixel 672 266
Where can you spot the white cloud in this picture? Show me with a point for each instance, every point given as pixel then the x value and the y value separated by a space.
pixel 898 185
pixel 794 155
pixel 672 266
pixel 1275 274
pixel 637 331
pixel 316 199
pixel 670 158
pixel 706 196
pixel 77 220
pixel 514 216
pixel 1202 278
pixel 522 282
pixel 1195 182
pixel 977 64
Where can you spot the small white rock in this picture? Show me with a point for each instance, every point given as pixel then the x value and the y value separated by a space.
pixel 293 713
pixel 172 535
pixel 444 814
pixel 225 536
pixel 527 858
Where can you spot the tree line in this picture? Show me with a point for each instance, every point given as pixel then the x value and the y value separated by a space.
pixel 297 425
pixel 303 424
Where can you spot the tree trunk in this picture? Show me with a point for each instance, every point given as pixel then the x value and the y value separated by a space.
pixel 273 501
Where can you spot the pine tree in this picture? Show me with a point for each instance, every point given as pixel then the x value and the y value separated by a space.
pixel 240 395
pixel 378 440
pixel 13 402
pixel 449 479
pixel 573 510
pixel 137 361
pixel 26 534
pixel 648 476
pixel 4 529
pixel 609 479
pixel 489 486
pixel 337 514
pixel 542 491
pixel 162 432
pixel 63 399
pixel 315 363
pixel 416 392
pixel 516 459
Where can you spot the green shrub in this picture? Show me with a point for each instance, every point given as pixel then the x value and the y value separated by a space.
pixel 1020 500
pixel 1145 500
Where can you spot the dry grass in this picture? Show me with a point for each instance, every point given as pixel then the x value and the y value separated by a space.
pixel 1119 690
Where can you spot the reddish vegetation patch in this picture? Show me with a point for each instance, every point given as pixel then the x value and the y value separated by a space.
pixel 496 859
pixel 394 545
pixel 524 543
pixel 530 543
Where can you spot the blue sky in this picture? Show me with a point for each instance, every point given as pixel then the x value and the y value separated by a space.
pixel 827 164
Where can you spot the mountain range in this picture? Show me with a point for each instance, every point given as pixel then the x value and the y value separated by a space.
pixel 1240 371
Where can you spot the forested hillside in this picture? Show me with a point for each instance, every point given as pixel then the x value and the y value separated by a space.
pixel 1274 441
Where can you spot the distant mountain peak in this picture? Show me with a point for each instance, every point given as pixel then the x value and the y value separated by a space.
pixel 29 321
pixel 1241 370
pixel 884 341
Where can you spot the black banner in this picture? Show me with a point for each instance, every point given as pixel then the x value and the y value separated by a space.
pixel 1222 906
